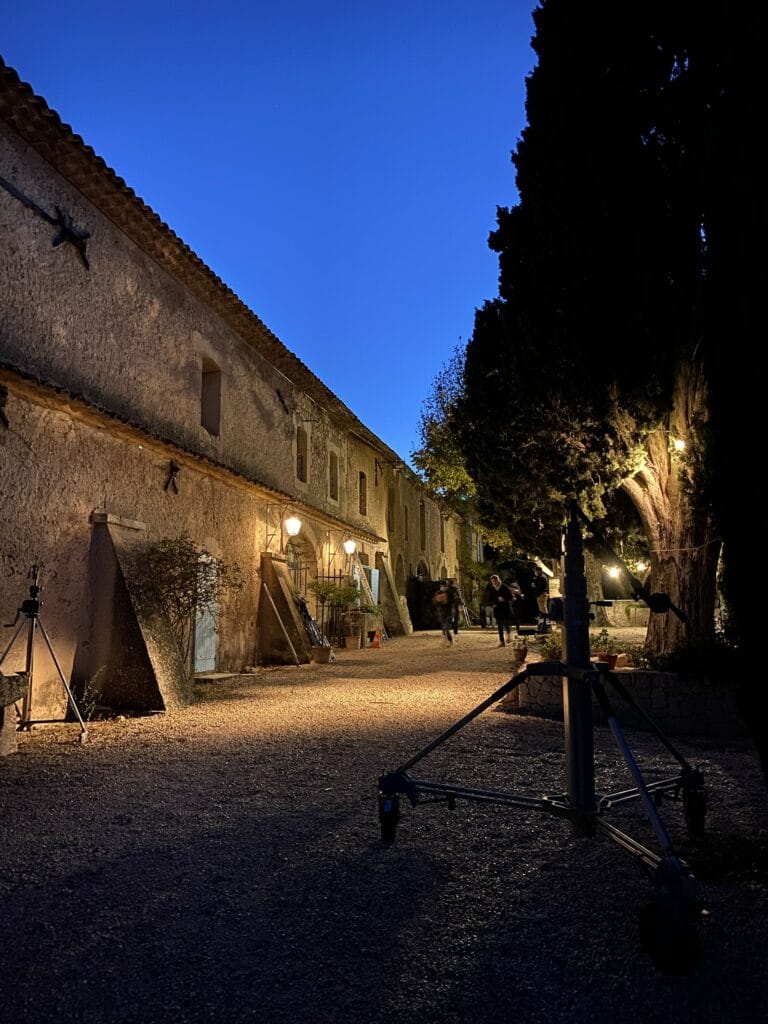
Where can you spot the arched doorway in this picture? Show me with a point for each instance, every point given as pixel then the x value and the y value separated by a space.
pixel 302 564
pixel 418 593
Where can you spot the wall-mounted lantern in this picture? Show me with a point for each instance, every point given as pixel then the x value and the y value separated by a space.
pixel 292 526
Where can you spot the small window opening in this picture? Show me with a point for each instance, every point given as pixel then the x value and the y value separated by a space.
pixel 210 397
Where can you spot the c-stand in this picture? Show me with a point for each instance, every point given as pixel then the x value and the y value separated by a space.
pixel 667 925
pixel 31 609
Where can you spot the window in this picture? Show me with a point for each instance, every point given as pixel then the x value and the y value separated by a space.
pixel 210 397
pixel 301 454
pixel 391 509
pixel 442 533
pixel 362 494
pixel 333 476
pixel 422 525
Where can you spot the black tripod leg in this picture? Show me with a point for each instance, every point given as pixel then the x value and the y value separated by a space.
pixel 667 924
pixel 65 684
pixel 648 803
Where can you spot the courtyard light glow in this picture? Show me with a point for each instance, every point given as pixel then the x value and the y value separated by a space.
pixel 679 444
pixel 292 526
pixel 613 571
pixel 350 547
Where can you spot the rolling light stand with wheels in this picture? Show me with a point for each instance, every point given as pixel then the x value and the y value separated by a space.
pixel 31 610
pixel 668 923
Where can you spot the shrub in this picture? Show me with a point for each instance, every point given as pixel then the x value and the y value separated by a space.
pixel 716 659
pixel 183 578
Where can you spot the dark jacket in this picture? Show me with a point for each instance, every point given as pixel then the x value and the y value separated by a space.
pixel 447 609
pixel 540 584
pixel 501 600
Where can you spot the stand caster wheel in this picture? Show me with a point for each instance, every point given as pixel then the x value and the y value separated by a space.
pixel 669 936
pixel 389 815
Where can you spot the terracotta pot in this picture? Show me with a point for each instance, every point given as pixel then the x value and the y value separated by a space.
pixel 321 654
pixel 354 642
pixel 609 659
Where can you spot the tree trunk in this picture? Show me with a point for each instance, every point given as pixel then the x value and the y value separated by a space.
pixel 594 572
pixel 684 550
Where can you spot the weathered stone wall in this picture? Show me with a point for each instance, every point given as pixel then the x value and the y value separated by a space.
pixel 64 468
pixel 104 368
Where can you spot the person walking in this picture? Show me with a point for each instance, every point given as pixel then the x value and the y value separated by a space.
pixel 447 602
pixel 540 588
pixel 489 600
pixel 457 607
pixel 502 607
pixel 517 604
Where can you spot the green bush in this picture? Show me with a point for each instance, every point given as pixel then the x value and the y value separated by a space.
pixel 552 646
pixel 182 578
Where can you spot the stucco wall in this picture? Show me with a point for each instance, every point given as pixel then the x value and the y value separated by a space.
pixel 65 469
pixel 104 365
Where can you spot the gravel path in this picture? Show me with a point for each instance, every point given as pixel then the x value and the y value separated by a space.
pixel 224 864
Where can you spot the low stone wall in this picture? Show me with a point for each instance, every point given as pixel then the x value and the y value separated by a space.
pixel 682 706
pixel 627 613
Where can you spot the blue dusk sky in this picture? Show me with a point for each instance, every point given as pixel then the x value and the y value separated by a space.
pixel 337 164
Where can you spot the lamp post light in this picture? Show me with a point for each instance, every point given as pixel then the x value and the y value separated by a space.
pixel 350 546
pixel 292 526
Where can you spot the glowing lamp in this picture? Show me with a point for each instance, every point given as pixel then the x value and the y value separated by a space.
pixel 350 547
pixel 292 526
pixel 614 571
pixel 679 444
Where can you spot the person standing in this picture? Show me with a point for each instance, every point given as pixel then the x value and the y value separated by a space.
pixel 457 607
pixel 517 604
pixel 489 600
pixel 501 596
pixel 446 601
pixel 540 588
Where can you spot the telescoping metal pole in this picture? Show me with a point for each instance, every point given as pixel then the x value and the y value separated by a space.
pixel 577 693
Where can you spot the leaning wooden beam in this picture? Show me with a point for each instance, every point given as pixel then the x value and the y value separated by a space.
pixel 282 624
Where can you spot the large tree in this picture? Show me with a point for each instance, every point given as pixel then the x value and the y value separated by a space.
pixel 588 368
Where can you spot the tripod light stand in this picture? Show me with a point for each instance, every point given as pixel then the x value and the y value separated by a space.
pixel 30 609
pixel 667 924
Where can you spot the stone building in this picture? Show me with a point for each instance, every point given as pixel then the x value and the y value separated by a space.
pixel 140 399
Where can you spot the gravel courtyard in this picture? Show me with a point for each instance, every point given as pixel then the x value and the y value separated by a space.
pixel 225 863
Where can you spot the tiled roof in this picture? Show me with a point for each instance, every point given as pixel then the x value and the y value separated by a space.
pixel 42 128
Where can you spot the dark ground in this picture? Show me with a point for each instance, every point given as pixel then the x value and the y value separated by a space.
pixel 224 864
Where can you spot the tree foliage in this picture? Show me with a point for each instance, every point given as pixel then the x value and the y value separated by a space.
pixel 586 366
pixel 440 459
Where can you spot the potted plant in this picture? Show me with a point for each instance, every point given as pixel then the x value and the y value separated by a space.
pixel 342 598
pixel 604 648
pixel 352 617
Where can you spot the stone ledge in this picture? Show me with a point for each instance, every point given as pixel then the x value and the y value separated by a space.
pixel 682 706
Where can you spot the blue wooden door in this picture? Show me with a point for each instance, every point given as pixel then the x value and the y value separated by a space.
pixel 205 639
